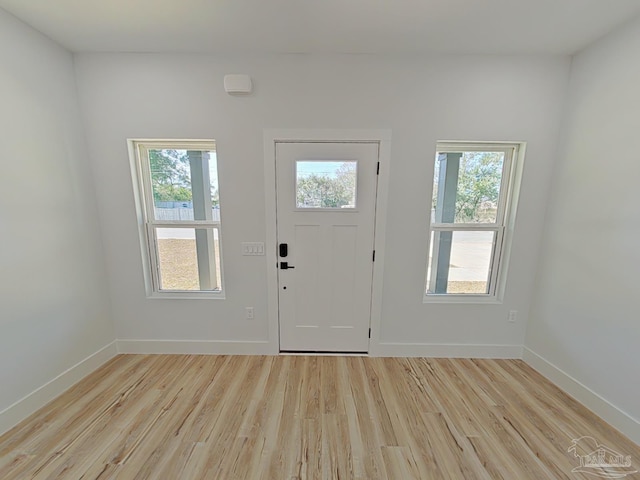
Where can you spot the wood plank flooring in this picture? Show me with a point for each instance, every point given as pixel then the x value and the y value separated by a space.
pixel 304 417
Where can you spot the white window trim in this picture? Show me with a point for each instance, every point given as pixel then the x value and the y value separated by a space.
pixel 506 213
pixel 147 224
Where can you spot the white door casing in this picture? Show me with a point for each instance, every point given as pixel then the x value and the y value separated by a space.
pixel 325 300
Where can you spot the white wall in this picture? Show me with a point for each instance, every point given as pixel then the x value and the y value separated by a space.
pixel 585 318
pixel 421 100
pixel 53 301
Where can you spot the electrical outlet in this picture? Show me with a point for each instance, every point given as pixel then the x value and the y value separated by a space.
pixel 513 315
pixel 249 313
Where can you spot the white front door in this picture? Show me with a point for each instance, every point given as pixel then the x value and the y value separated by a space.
pixel 326 196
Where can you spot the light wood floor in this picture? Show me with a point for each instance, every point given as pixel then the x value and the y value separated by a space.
pixel 301 417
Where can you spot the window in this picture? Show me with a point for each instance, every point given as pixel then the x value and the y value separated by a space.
pixel 472 206
pixel 326 184
pixel 180 206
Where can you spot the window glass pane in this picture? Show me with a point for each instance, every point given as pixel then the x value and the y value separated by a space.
pixel 466 187
pixel 460 262
pixel 326 184
pixel 189 259
pixel 184 184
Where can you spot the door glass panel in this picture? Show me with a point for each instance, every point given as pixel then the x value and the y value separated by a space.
pixel 189 259
pixel 326 184
pixel 469 262
pixel 466 187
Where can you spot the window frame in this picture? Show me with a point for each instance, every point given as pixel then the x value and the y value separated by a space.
pixel 148 225
pixel 502 227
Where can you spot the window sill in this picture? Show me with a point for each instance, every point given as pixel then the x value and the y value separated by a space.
pixel 462 299
pixel 186 296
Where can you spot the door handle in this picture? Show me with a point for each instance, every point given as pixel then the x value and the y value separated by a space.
pixel 285 266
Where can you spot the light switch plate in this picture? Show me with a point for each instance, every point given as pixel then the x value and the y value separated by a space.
pixel 252 248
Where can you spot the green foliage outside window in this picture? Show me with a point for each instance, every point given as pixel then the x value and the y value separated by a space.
pixel 478 188
pixel 171 177
pixel 328 191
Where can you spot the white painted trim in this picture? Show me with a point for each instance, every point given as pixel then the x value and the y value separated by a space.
pixel 147 224
pixel 435 350
pixel 271 136
pixel 20 410
pixel 619 419
pixel 195 347
pixel 380 236
pixel 505 220
pixel 271 229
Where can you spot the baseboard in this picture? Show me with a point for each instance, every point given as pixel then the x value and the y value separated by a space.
pixel 196 347
pixel 14 414
pixel 445 350
pixel 619 419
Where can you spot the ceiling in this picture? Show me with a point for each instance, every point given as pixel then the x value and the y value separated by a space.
pixel 325 26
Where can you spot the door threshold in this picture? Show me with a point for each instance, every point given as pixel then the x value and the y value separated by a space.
pixel 323 353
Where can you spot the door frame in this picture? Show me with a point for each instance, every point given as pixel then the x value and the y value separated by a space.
pixel 271 138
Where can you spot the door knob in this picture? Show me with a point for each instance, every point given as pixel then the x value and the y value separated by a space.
pixel 285 266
